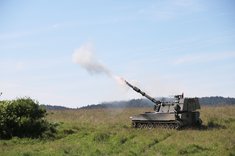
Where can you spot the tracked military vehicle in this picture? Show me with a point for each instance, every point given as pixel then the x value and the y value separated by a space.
pixel 174 114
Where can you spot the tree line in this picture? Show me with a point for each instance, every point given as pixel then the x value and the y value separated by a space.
pixel 211 101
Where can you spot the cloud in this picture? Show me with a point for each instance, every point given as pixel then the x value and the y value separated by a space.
pixel 204 57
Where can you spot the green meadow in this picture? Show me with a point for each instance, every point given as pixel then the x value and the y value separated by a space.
pixel 108 132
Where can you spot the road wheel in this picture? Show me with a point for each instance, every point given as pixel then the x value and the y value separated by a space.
pixel 171 126
pixel 134 124
pixel 199 122
pixel 139 125
pixel 160 125
pixel 178 124
pixel 165 125
pixel 144 126
pixel 150 125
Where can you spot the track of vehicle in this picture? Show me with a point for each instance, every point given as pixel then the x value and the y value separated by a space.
pixel 162 124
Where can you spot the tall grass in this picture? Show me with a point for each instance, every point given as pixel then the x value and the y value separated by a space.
pixel 109 132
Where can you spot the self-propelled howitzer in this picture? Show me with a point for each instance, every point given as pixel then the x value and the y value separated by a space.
pixel 173 114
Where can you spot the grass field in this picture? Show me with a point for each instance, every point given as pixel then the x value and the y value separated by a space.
pixel 108 132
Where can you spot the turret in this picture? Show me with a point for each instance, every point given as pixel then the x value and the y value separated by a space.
pixel 143 93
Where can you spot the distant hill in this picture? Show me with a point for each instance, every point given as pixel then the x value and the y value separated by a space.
pixel 217 100
pixel 122 104
pixel 51 107
pixel 211 101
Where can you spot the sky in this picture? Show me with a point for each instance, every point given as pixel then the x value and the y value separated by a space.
pixel 163 47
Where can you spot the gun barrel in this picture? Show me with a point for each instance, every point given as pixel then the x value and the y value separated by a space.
pixel 143 93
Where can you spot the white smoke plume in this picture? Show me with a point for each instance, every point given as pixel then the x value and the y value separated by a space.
pixel 84 56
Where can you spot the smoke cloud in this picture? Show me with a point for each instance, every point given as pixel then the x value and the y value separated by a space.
pixel 84 56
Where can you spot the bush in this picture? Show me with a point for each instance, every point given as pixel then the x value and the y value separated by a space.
pixel 23 117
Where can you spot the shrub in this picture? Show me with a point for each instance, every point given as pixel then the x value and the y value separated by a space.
pixel 24 117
